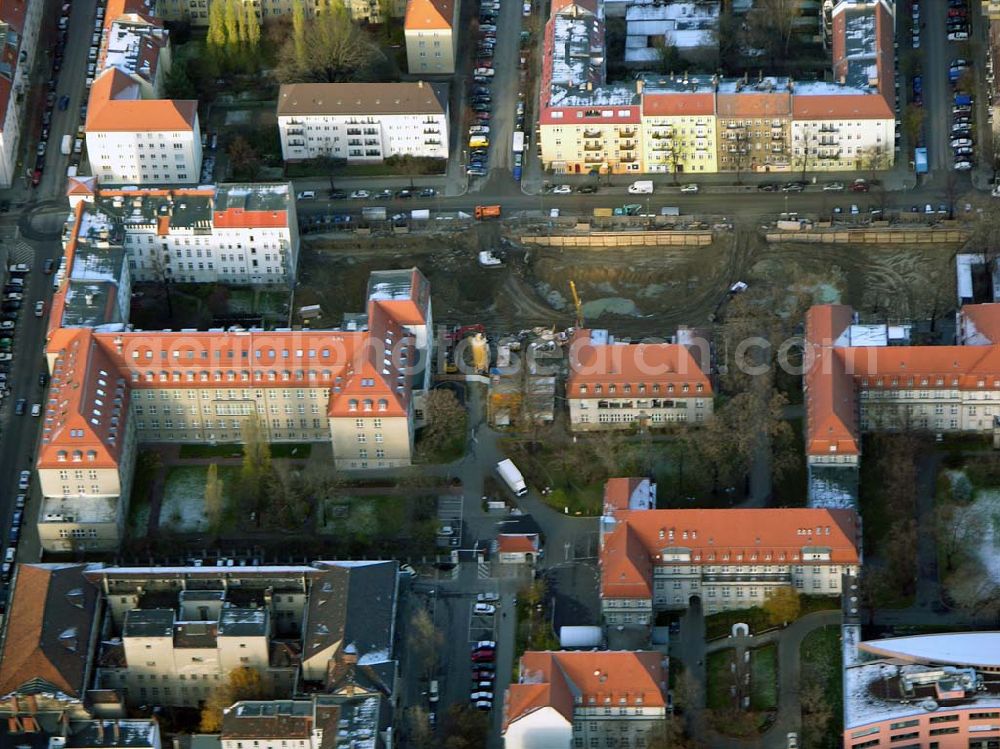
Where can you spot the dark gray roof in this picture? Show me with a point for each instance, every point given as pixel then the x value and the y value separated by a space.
pixel 353 602
pixel 86 734
pixel 149 623
pixel 234 622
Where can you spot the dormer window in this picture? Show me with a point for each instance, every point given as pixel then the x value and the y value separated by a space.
pixel 77 456
pixel 61 456
pixel 383 404
pixel 91 455
pixel 352 405
pixel 367 404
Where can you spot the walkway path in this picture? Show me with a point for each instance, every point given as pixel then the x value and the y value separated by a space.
pixel 789 641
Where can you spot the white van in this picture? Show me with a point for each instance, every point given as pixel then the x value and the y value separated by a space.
pixel 307 195
pixel 433 695
pixel 641 187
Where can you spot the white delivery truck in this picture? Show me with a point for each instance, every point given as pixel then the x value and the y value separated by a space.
pixel 641 187
pixel 518 143
pixel 512 477
pixel 67 145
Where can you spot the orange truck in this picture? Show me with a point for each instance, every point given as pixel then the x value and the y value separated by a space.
pixel 487 211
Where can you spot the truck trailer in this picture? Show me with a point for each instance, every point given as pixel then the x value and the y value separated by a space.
pixel 512 477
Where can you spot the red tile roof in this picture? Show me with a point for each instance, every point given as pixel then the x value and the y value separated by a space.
pixel 715 536
pixel 670 366
pixel 834 373
pixel 985 318
pixel 365 371
pixel 517 543
pixel 428 15
pixel 115 106
pixel 595 679
pixel 678 104
pixel 239 218
pixel 840 106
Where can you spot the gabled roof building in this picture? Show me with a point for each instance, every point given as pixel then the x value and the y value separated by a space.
pixel 867 377
pixel 617 384
pixel 49 641
pixel 112 389
pixel 585 698
pixel 656 560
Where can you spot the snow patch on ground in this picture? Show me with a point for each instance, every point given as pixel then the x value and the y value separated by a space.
pixel 183 506
pixel 987 512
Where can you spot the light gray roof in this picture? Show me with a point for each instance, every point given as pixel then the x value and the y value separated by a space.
pixel 362 98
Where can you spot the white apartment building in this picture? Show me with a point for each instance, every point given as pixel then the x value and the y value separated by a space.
pixel 322 721
pixel 363 122
pixel 136 141
pixel 612 385
pixel 19 25
pixel 655 560
pixel 431 41
pixel 565 700
pixel 231 233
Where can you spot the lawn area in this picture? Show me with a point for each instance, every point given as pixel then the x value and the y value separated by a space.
pixel 183 507
pixel 810 604
pixel 719 678
pixel 377 524
pixel 764 678
pixel 721 624
pixel 297 450
pixel 822 709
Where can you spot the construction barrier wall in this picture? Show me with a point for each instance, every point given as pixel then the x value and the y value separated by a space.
pixel 608 240
pixel 873 236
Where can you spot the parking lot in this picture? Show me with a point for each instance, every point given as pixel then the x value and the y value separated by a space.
pixel 449 513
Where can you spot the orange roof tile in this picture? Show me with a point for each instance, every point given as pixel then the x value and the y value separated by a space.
pixel 831 426
pixel 840 106
pixel 985 318
pixel 646 364
pixel 428 15
pixel 86 412
pixel 715 536
pixel 517 543
pixel 749 103
pixel 240 218
pixel 596 678
pixel 678 104
pixel 115 106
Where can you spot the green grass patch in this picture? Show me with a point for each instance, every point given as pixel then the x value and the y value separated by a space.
pixel 719 677
pixel 764 678
pixel 183 506
pixel 291 450
pixel 821 677
pixel 380 523
pixel 721 624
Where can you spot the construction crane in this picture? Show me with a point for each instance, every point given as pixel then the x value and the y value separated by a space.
pixel 576 304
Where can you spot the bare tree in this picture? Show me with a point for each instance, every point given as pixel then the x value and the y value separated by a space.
pixel 426 640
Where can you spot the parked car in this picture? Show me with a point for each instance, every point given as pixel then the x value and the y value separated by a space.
pixel 833 187
pixel 562 190
pixel 360 195
pixel 689 188
pixel 24 479
pixel 488 644
pixel 479 656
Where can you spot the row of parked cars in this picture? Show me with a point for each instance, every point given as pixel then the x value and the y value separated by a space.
pixel 483 657
pixel 963 142
pixel 958 20
pixel 480 95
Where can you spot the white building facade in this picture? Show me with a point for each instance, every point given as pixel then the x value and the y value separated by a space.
pixel 19 23
pixel 363 122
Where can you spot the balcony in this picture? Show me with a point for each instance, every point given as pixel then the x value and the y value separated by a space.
pixel 773 578
pixel 829 129
pixel 628 145
pixel 354 142
pixel 372 142
pixel 661 145
pixel 431 131
pixel 592 134
pixel 354 131
pixel 593 158
pixel 432 143
pixel 297 130
pixel 373 153
pixel 593 147
pixel 628 159
pixel 627 133
pixel 777 136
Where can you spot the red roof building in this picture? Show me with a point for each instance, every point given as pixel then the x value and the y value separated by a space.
pixel 562 696
pixel 659 559
pixel 614 385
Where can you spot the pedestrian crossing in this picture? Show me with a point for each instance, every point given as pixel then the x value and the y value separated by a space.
pixel 22 252
pixel 483 570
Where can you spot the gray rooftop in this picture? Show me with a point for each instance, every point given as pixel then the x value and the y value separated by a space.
pixel 234 622
pixel 149 623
